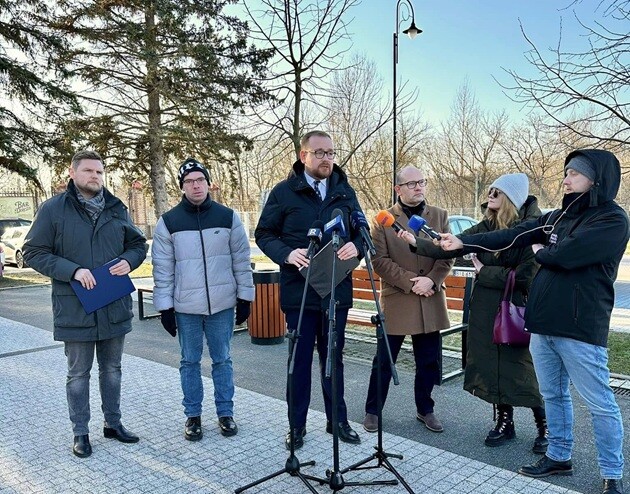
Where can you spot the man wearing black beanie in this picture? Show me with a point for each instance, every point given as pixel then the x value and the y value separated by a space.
pixel 202 271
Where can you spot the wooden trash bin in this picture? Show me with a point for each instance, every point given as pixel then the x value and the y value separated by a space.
pixel 266 322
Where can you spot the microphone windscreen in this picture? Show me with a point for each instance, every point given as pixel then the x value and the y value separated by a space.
pixel 385 218
pixel 336 212
pixel 416 222
pixel 319 224
pixel 357 220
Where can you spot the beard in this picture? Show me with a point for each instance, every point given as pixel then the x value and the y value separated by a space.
pixel 89 189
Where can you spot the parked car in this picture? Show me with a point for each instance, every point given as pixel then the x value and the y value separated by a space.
pixel 12 222
pixel 458 224
pixel 12 241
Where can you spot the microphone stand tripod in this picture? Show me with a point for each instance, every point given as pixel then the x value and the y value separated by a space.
pixel 382 347
pixel 292 465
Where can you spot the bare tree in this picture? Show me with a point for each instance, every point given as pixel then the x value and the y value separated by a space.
pixel 308 40
pixel 464 156
pixel 585 91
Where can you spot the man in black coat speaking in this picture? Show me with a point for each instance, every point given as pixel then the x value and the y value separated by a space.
pixel 314 189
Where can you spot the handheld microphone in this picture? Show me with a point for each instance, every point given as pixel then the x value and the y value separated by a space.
pixel 386 218
pixel 335 225
pixel 418 223
pixel 315 236
pixel 358 222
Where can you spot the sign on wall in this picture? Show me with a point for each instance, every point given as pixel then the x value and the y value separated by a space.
pixel 17 207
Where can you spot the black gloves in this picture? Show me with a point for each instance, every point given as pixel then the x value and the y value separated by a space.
pixel 168 321
pixel 243 308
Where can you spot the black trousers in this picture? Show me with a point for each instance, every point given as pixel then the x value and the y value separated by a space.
pixel 315 330
pixel 426 353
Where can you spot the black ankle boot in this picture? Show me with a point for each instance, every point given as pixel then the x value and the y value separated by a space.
pixel 541 442
pixel 504 429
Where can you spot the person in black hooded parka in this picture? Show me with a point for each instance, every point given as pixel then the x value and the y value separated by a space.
pixel 579 248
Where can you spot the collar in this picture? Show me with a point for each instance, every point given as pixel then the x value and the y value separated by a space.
pixel 411 210
pixel 310 180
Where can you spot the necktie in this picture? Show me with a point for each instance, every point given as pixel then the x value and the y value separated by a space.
pixel 316 187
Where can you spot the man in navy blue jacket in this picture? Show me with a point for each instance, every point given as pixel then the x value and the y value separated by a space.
pixel 314 189
pixel 579 248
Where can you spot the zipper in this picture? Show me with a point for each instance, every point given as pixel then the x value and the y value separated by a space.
pixel 203 259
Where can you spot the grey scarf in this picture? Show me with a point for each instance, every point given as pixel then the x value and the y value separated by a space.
pixel 94 206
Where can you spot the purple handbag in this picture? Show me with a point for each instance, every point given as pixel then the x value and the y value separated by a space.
pixel 509 323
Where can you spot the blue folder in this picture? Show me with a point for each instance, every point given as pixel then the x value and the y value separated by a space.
pixel 108 289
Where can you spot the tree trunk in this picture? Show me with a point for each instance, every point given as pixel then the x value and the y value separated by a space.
pixel 156 147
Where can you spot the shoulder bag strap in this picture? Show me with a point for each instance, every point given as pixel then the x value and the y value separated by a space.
pixel 509 285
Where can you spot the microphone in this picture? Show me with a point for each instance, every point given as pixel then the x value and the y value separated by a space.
pixel 386 218
pixel 335 225
pixel 315 236
pixel 358 222
pixel 417 223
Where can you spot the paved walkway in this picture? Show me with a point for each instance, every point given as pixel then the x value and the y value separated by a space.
pixel 35 438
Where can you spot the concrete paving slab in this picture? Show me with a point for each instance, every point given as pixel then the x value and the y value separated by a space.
pixel 35 438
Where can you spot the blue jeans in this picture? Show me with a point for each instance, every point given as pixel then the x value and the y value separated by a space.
pixel 557 360
pixel 80 356
pixel 218 329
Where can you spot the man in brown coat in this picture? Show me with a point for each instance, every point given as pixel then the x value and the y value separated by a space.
pixel 412 298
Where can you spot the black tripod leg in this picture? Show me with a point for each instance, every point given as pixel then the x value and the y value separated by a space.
pixel 382 348
pixel 292 465
pixel 293 472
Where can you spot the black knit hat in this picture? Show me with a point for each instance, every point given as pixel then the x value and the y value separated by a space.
pixel 191 165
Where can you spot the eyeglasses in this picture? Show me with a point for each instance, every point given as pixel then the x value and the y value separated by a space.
pixel 320 153
pixel 414 183
pixel 197 181
pixel 494 193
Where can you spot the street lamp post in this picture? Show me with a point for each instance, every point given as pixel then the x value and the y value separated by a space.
pixel 412 31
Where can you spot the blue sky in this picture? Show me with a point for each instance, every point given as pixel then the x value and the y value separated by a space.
pixel 464 40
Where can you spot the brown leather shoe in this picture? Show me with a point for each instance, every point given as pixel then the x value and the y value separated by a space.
pixel 431 422
pixel 370 422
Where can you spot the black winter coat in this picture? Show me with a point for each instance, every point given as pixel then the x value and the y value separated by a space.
pixel 572 295
pixel 61 240
pixel 291 209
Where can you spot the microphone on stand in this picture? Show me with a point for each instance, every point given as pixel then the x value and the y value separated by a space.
pixel 315 237
pixel 358 222
pixel 418 224
pixel 336 225
pixel 386 218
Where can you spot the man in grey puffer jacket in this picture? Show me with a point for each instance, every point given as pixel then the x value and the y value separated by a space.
pixel 202 270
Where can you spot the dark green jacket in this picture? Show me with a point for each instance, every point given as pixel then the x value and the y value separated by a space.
pixel 573 293
pixel 499 374
pixel 61 240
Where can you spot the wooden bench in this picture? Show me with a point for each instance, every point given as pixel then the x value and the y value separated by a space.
pixel 141 299
pixel 458 291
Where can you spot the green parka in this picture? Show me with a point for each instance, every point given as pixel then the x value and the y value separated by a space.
pixel 61 240
pixel 498 374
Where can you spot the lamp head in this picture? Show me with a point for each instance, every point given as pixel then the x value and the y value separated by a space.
pixel 412 31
